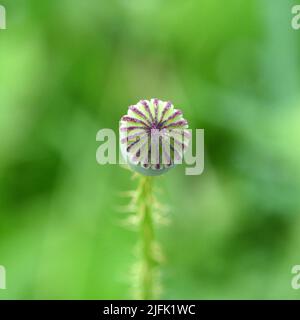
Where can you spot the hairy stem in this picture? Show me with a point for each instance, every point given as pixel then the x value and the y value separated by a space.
pixel 148 262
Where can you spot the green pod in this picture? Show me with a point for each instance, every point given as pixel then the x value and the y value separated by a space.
pixel 153 137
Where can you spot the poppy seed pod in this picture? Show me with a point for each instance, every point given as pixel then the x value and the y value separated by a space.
pixel 153 137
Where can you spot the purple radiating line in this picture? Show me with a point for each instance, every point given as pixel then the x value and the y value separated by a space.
pixel 123 129
pixel 147 155
pixel 154 146
pixel 180 143
pixel 155 102
pixel 145 104
pixel 176 153
pixel 132 144
pixel 140 113
pixel 183 132
pixel 176 124
pixel 179 131
pixel 166 108
pixel 141 151
pixel 178 140
pixel 138 134
pixel 173 116
pixel 166 153
pixel 134 120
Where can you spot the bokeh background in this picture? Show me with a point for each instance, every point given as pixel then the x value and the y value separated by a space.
pixel 70 67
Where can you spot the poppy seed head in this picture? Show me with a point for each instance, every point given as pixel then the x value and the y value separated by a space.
pixel 153 136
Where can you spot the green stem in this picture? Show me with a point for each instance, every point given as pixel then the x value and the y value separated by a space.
pixel 148 263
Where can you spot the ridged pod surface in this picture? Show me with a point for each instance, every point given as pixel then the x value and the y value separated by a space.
pixel 153 136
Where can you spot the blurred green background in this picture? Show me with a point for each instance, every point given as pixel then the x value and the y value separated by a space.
pixel 70 67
